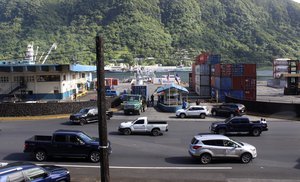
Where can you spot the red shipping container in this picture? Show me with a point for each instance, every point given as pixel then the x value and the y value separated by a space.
pixel 213 81
pixel 217 70
pixel 250 95
pixel 238 83
pixel 115 81
pixel 250 70
pixel 250 83
pixel 203 57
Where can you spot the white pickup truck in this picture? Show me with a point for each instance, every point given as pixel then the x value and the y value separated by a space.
pixel 142 125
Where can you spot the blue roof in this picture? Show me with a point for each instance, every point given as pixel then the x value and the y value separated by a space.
pixel 82 68
pixel 170 87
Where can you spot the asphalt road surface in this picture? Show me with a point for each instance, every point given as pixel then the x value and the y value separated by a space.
pixel 165 158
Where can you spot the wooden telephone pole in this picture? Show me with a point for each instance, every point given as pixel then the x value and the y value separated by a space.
pixel 101 103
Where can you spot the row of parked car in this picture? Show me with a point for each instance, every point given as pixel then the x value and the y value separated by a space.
pixel 226 109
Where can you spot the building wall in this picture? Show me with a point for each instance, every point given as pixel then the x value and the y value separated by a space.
pixel 43 85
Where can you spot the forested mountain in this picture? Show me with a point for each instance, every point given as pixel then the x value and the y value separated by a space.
pixel 241 30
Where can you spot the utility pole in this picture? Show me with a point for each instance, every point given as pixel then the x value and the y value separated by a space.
pixel 101 103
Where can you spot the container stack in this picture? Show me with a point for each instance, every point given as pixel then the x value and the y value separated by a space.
pixel 236 80
pixel 202 80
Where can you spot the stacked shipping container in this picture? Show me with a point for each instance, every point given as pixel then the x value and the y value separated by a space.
pixel 236 80
pixel 202 80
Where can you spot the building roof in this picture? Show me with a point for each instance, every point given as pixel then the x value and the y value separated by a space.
pixel 171 87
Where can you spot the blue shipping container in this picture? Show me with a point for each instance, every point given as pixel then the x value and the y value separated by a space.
pixel 238 94
pixel 226 83
pixel 238 69
pixel 214 59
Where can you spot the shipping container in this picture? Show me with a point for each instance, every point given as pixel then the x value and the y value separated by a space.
pixel 217 82
pixel 204 80
pixel 238 94
pixel 205 69
pixel 250 83
pixel 204 91
pixel 115 81
pixel 237 69
pixel 219 94
pixel 250 95
pixel 213 81
pixel 190 80
pixel 140 90
pixel 202 58
pixel 193 76
pixel 197 80
pixel 226 83
pixel 217 69
pixel 281 61
pixel 250 70
pixel 197 69
pixel 214 59
pixel 238 82
pixel 108 81
pixel 226 70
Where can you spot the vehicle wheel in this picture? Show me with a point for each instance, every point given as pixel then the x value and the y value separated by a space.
pixel 40 155
pixel 155 132
pixel 94 156
pixel 82 122
pixel 214 113
pixel 246 158
pixel 202 116
pixel 222 131
pixel 205 158
pixel 256 132
pixel 127 131
pixel 182 115
pixel 231 115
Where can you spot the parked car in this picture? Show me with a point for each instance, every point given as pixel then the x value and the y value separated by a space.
pixel 193 111
pixel 142 125
pixel 228 110
pixel 24 171
pixel 211 146
pixel 239 124
pixel 88 115
pixel 64 143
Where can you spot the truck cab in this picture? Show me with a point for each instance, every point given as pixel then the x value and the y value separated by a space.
pixel 132 104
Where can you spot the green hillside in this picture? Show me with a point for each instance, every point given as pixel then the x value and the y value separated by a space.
pixel 241 30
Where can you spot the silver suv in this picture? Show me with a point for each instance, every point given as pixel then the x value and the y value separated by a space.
pixel 209 146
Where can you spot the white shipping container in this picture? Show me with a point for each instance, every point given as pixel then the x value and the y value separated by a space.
pixel 197 79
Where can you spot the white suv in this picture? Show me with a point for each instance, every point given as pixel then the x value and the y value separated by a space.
pixel 193 111
pixel 209 146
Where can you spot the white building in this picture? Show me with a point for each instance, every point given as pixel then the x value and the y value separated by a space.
pixel 44 82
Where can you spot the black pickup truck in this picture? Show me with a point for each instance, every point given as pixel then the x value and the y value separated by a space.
pixel 239 124
pixel 88 115
pixel 64 143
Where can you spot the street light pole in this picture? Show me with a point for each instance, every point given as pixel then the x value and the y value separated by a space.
pixel 101 103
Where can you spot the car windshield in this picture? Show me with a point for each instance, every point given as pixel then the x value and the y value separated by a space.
pixel 84 111
pixel 85 137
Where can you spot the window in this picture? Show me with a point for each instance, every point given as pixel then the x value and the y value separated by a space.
pixel 4 79
pixel 15 177
pixel 76 140
pixel 235 121
pixel 34 173
pixel 48 78
pixel 56 91
pixel 228 143
pixel 60 138
pixel 83 75
pixel 198 108
pixel 64 77
pixel 139 122
pixel 213 142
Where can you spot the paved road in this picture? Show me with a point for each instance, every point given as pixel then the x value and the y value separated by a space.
pixel 165 158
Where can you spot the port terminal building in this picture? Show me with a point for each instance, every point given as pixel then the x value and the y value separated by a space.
pixel 36 82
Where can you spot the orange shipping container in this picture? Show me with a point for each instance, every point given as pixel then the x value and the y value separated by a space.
pixel 217 70
pixel 115 81
pixel 250 70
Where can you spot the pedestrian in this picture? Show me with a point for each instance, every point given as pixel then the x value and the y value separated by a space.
pixel 197 102
pixel 184 104
pixel 152 100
